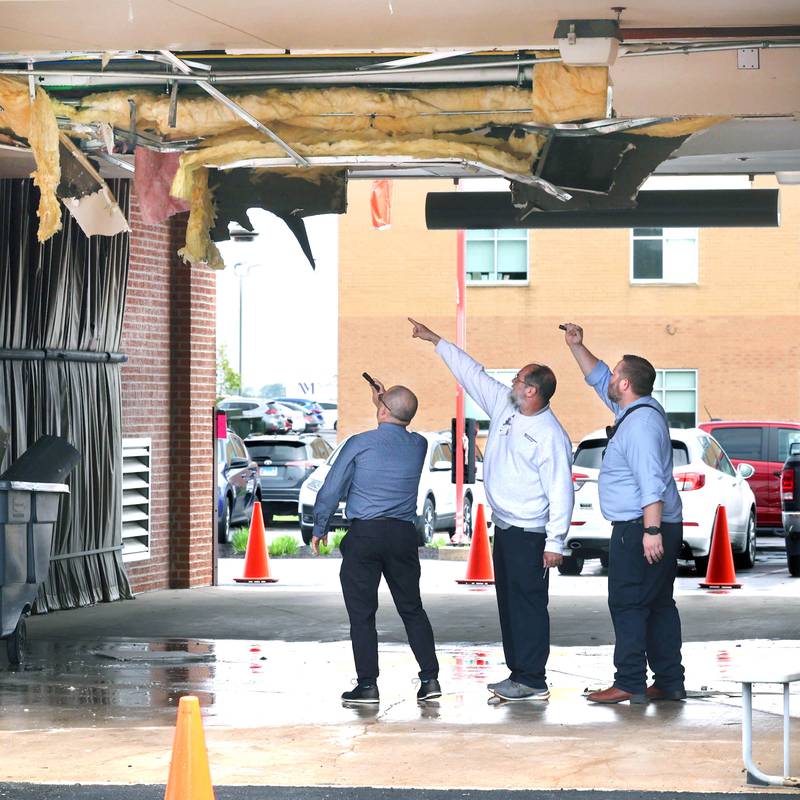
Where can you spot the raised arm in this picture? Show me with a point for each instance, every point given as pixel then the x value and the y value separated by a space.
pixel 574 339
pixel 485 391
pixel 596 372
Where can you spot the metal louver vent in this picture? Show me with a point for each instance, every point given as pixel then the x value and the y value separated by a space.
pixel 135 499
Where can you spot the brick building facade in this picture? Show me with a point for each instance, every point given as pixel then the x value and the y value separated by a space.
pixel 168 393
pixel 737 325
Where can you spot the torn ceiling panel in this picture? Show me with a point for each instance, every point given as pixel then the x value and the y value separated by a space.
pixel 290 197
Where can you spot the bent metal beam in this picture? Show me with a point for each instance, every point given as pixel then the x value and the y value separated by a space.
pixel 721 208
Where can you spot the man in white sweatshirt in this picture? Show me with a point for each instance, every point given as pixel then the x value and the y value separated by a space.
pixel 527 471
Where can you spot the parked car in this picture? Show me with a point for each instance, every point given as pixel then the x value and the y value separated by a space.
pixel 311 422
pixel 237 485
pixel 294 416
pixel 249 416
pixel 436 498
pixel 310 406
pixel 790 507
pixel 765 445
pixel 284 462
pixel 705 478
pixel 330 415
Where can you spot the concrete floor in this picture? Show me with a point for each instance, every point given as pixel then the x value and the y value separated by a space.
pixel 92 705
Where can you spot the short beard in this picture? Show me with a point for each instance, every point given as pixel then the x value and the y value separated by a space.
pixel 613 394
pixel 514 400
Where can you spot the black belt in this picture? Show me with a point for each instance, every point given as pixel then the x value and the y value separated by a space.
pixel 626 521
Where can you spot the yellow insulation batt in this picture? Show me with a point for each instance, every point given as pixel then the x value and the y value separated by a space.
pixel 560 94
pixel 36 122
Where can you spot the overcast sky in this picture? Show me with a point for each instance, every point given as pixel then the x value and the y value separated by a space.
pixel 289 311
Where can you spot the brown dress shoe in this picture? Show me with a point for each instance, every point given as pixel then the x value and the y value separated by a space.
pixel 615 695
pixel 655 694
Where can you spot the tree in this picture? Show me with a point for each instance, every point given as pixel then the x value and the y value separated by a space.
pixel 228 380
pixel 273 390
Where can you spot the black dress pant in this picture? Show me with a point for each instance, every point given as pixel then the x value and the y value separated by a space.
pixel 384 547
pixel 646 622
pixel 521 585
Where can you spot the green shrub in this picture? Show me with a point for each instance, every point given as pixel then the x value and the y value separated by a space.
pixel 338 535
pixel 239 540
pixel 283 546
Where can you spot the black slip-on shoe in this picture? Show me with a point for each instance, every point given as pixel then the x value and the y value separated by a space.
pixel 428 690
pixel 363 693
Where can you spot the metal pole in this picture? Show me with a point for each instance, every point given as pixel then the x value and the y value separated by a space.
pixel 461 341
pixel 787 755
pixel 241 285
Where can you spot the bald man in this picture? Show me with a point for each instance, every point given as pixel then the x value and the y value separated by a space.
pixel 378 472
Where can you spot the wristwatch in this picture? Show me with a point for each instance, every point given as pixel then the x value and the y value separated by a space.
pixel 653 530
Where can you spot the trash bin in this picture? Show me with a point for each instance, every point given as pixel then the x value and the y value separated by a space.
pixel 28 512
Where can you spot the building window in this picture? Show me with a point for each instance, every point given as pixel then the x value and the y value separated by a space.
pixel 664 255
pixel 676 390
pixel 473 410
pixel 496 256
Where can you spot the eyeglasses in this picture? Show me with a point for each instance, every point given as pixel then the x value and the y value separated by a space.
pixel 396 416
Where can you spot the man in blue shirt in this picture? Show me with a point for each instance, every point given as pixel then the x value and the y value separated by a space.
pixel 378 471
pixel 639 496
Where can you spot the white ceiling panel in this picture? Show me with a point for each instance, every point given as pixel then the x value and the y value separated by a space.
pixel 325 25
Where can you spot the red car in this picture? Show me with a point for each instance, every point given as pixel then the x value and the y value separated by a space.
pixel 765 445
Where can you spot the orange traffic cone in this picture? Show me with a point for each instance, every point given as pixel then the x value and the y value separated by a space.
pixel 721 573
pixel 256 560
pixel 189 774
pixel 479 566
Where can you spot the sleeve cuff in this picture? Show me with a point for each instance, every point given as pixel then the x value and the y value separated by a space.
pixel 596 375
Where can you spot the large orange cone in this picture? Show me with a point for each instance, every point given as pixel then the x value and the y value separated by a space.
pixel 256 560
pixel 479 566
pixel 721 573
pixel 189 774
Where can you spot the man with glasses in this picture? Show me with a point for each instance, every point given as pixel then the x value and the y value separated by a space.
pixel 639 496
pixel 527 472
pixel 378 472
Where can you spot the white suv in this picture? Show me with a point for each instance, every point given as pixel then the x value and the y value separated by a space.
pixel 705 478
pixel 436 499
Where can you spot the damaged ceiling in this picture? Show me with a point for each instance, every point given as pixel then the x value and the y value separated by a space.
pixel 252 119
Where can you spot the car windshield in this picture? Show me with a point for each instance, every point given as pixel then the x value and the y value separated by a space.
pixel 589 454
pixel 278 451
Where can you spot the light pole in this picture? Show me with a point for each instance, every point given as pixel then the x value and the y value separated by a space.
pixel 241 268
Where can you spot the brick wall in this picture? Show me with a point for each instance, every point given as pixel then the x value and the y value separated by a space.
pixel 739 326
pixel 168 394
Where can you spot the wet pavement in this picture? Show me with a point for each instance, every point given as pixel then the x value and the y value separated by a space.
pixel 92 706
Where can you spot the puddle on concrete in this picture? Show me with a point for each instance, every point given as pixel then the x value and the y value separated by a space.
pixel 253 684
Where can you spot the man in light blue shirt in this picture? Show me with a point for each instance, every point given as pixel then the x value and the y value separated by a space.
pixel 378 472
pixel 639 496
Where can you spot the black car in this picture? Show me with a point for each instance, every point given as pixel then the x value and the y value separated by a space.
pixel 790 507
pixel 237 485
pixel 284 462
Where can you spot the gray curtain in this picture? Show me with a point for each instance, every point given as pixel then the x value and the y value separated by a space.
pixel 66 296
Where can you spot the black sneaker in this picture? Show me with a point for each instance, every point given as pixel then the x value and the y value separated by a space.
pixel 428 690
pixel 363 693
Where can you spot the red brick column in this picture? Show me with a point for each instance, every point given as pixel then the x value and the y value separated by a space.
pixel 168 386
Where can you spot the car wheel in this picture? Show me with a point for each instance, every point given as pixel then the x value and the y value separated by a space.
pixel 306 531
pixel 701 565
pixel 572 565
pixel 16 642
pixel 604 560
pixel 426 522
pixel 793 562
pixel 225 523
pixel 269 517
pixel 747 559
pixel 468 517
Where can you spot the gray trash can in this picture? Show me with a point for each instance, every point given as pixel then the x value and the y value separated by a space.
pixel 28 512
